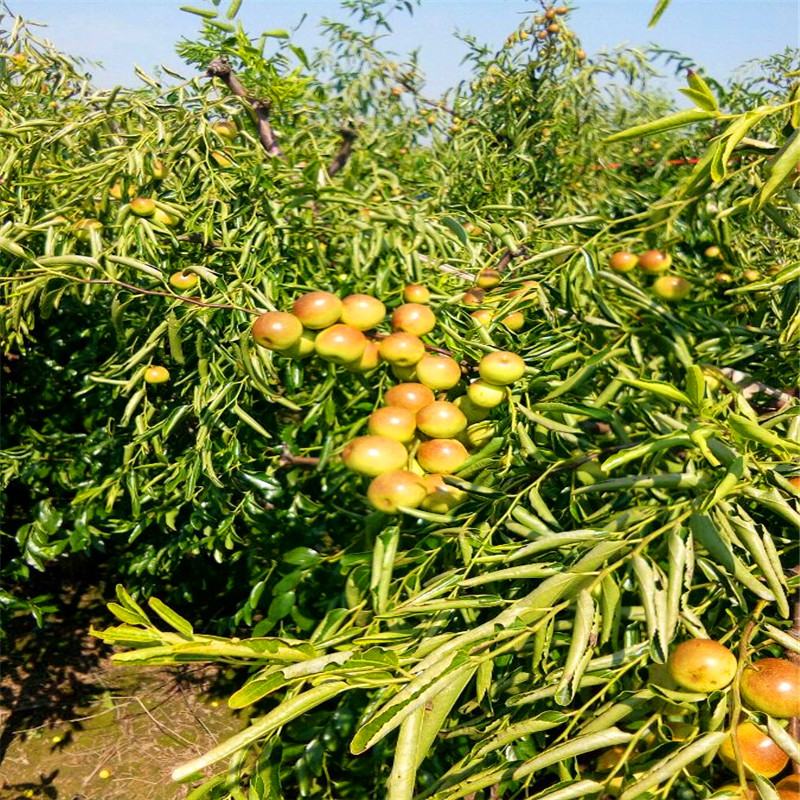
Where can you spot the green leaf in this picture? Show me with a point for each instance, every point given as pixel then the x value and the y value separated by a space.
pixel 783 165
pixel 700 99
pixel 172 619
pixel 678 120
pixel 660 8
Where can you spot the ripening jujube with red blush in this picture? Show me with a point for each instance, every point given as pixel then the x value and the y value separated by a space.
pixel 441 420
pixel 788 788
pixel 413 318
pixel 143 206
pixel 438 372
pixel 317 310
pixel 473 297
pixel 372 455
pixel 412 396
pixel 416 293
pixel 702 665
pixel 391 490
pixel 501 367
pixel 515 321
pixel 772 685
pixel 393 422
pixel 671 287
pixel 183 280
pixel 441 455
pixel 340 344
pixel 759 753
pixel 362 311
pixel 277 330
pixel 623 261
pixel 654 261
pixel 404 349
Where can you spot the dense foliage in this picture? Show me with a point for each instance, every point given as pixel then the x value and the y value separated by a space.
pixel 636 491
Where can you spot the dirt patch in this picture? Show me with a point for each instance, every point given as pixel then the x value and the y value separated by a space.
pixel 75 727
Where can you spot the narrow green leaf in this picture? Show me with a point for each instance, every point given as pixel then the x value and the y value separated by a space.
pixel 174 620
pixel 677 120
pixel 660 8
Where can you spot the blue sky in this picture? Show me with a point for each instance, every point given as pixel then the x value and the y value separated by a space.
pixel 718 34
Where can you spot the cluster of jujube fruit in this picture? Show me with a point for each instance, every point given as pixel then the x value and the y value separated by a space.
pixel 769 685
pixel 418 435
pixel 653 262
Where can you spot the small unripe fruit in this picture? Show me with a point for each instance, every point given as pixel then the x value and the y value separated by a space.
pixel 488 278
pixel 439 373
pixel 473 297
pixel 402 348
pixel 515 321
pixel 772 685
pixel 393 422
pixel 221 158
pixel 83 228
pixel 561 10
pixel 501 367
pixel 340 344
pixel 165 218
pixel 554 28
pixel 441 420
pixel 159 169
pixel 362 311
pixel 183 280
pixel 373 455
pixel 472 412
pixel 623 261
pixel 416 293
pixel 751 275
pixel 488 395
pixel 156 375
pixel 671 287
pixel 399 488
pixel 702 665
pixel 277 330
pixel 104 774
pixel 480 434
pixel 760 755
pixel 550 13
pixel 440 497
pixel 413 318
pixel 369 359
pixel 143 206
pixel 723 277
pixel 580 54
pixel 226 129
pixel 712 252
pixel 482 317
pixel 412 396
pixel 655 261
pixel 302 348
pixel 441 455
pixel 317 310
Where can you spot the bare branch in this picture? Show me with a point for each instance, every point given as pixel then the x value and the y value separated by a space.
pixel 221 68
pixel 349 136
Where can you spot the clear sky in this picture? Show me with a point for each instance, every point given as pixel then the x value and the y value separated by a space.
pixel 719 34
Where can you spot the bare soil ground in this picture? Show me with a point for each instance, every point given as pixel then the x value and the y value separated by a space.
pixel 75 727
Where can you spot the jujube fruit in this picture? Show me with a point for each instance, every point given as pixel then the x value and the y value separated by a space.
pixel 712 252
pixel 488 278
pixel 501 367
pixel 440 497
pixel 277 330
pixel 391 490
pixel 416 293
pixel 412 396
pixel 760 755
pixel 623 261
pixel 413 318
pixel 225 128
pixel 671 287
pixel 317 310
pixel 772 685
pixel 654 261
pixel 473 297
pixel 473 412
pixel 362 311
pixel 702 665
pixel 441 420
pixel 372 455
pixel 441 455
pixel 183 280
pixel 303 347
pixel 367 361
pixel 156 375
pixel 486 394
pixel 515 321
pixel 143 206
pixel 83 228
pixel 402 348
pixel 482 317
pixel 393 422
pixel 438 372
pixel 340 344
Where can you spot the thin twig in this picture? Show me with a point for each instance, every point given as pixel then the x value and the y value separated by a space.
pixel 288 459
pixel 221 68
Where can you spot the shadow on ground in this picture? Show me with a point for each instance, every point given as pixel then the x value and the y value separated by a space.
pixel 75 727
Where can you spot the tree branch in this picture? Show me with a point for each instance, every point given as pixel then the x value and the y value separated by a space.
pixel 221 68
pixel 349 136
